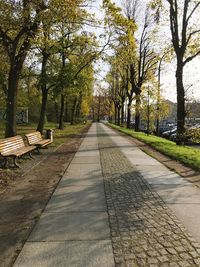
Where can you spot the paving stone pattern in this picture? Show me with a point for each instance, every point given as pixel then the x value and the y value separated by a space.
pixel 144 231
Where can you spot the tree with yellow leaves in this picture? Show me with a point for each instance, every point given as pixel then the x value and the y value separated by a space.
pixel 185 40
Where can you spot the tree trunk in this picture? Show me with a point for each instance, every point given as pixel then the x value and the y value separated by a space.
pixel 78 110
pixel 98 109
pixel 122 114
pixel 41 122
pixel 181 113
pixel 93 114
pixel 44 89
pixel 158 126
pixel 78 113
pixel 128 122
pixel 73 112
pixel 98 115
pixel 118 115
pixel 66 111
pixel 137 113
pixel 17 49
pixel 56 111
pixel 62 108
pixel 11 104
pixel 115 114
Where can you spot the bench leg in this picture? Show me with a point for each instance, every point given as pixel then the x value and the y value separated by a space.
pixel 30 155
pixel 38 150
pixel 15 162
pixel 5 163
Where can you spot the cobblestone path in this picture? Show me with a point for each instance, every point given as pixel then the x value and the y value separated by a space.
pixel 144 231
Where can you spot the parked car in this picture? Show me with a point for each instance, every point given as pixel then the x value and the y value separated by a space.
pixel 132 124
pixel 167 134
pixel 164 129
pixel 173 137
pixel 196 126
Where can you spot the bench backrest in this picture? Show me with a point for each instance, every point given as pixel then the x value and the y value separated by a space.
pixel 11 143
pixel 33 137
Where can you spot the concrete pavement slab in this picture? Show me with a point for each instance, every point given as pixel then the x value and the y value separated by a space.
pixel 67 254
pixel 78 198
pixel 86 148
pixel 132 151
pixel 178 194
pixel 88 160
pixel 150 168
pixel 71 226
pixel 95 178
pixel 87 145
pixel 162 178
pixel 86 153
pixel 189 215
pixel 82 170
pixel 143 160
pixel 75 218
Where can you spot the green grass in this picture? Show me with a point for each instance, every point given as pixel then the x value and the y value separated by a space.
pixel 60 136
pixel 69 132
pixel 184 154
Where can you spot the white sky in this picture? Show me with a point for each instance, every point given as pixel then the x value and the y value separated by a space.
pixel 191 72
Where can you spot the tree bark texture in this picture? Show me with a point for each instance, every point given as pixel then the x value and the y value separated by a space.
pixel 41 122
pixel 122 114
pixel 115 114
pixel 11 104
pixel 44 90
pixel 137 113
pixel 128 121
pixel 62 109
pixel 181 113
pixel 73 111
pixel 118 115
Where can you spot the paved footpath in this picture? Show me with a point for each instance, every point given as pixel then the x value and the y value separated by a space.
pixel 116 206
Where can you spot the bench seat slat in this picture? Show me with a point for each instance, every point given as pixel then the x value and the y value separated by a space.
pixel 36 139
pixel 43 142
pixel 17 152
pixel 14 147
pixel 11 144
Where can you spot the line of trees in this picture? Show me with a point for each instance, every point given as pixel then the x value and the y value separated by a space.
pixel 47 54
pixel 46 60
pixel 134 63
pixel 138 54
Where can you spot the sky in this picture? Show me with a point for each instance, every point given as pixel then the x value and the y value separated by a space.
pixel 168 82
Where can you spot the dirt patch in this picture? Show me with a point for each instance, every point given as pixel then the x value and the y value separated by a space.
pixel 25 193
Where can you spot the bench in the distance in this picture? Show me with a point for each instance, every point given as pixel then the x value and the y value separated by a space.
pixel 35 138
pixel 14 147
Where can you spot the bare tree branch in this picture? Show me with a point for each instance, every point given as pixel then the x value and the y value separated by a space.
pixel 192 12
pixel 191 58
pixel 190 35
pixel 93 57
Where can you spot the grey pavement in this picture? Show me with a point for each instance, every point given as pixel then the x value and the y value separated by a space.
pixel 116 206
pixel 74 229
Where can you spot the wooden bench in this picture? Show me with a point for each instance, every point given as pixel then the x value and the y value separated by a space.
pixel 14 147
pixel 36 139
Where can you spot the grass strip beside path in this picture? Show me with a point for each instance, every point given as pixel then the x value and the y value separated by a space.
pixel 184 154
pixel 60 136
